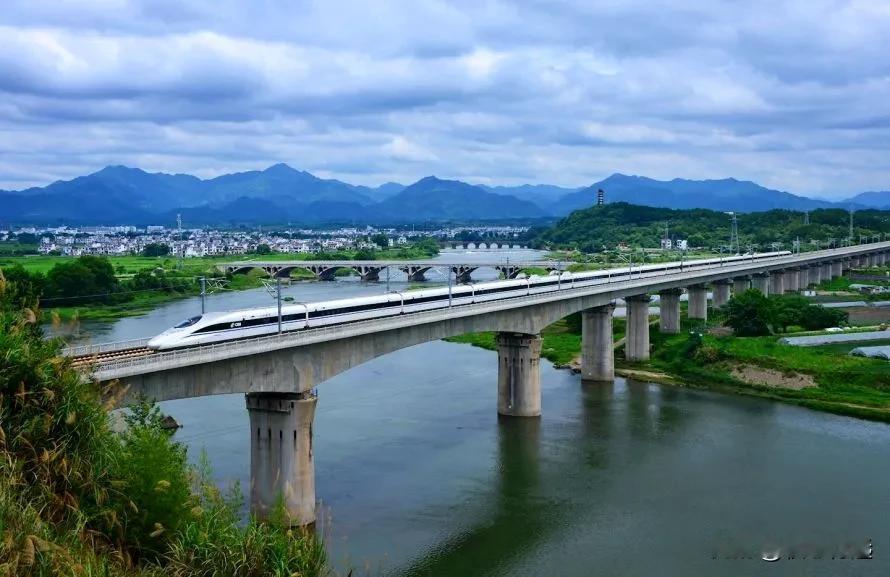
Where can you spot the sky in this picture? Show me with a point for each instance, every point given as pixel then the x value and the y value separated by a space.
pixel 794 95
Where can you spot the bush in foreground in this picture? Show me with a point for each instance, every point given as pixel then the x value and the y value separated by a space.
pixel 77 498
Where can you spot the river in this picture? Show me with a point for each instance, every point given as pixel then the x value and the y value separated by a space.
pixel 417 475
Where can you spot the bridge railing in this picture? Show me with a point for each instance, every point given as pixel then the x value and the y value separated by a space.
pixel 93 349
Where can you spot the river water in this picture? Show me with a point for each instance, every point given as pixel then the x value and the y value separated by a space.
pixel 417 475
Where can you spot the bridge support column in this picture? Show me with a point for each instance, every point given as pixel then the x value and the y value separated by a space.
pixel 761 282
pixel 669 311
pixel 415 273
pixel 721 293
pixel 826 271
pixel 740 284
pixel 636 345
pixel 597 347
pixel 281 463
pixel 792 279
pixel 815 274
pixel 519 375
pixel 698 302
pixel 836 269
pixel 368 273
pixel 777 282
pixel 462 273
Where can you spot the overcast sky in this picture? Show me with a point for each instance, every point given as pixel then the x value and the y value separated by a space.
pixel 794 95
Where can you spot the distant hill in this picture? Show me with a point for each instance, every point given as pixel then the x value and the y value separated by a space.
pixel 543 195
pixel 594 228
pixel 432 198
pixel 876 199
pixel 125 195
pixel 726 194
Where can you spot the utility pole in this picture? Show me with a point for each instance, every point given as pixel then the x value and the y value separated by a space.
pixel 449 286
pixel 806 217
pixel 851 225
pixel 203 293
pixel 278 295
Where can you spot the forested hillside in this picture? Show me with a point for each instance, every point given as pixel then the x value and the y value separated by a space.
pixel 599 227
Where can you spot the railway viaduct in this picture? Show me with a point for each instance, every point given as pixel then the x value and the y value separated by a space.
pixel 279 374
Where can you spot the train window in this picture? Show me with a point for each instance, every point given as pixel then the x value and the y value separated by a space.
pixel 188 322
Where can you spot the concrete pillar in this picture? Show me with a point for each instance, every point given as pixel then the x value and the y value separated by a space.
pixel 281 463
pixel 636 347
pixel 740 284
pixel 826 271
pixel 669 311
pixel 721 293
pixel 815 274
pixel 836 269
pixel 792 279
pixel 597 344
pixel 698 302
pixel 777 282
pixel 761 282
pixel 519 375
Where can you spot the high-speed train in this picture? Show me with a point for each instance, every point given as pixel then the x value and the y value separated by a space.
pixel 224 326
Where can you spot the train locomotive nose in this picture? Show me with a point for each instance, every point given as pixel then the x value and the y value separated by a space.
pixel 157 342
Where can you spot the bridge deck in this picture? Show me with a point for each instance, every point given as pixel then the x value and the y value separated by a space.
pixel 647 282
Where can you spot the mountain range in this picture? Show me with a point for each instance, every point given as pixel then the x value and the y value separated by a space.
pixel 279 194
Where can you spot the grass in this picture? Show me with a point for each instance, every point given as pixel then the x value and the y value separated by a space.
pixel 129 264
pixel 846 384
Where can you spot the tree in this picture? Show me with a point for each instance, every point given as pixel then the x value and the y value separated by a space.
pixel 263 249
pixel 155 249
pixel 748 314
pixel 365 254
pixel 380 240
pixel 89 277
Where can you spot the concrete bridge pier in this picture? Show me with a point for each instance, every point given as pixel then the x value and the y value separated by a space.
pixel 837 269
pixel 281 463
pixel 721 293
pixel 777 282
pixel 669 311
pixel 790 280
pixel 509 271
pixel 462 273
pixel 415 273
pixel 636 344
pixel 826 271
pixel 761 282
pixel 597 348
pixel 519 375
pixel 815 274
pixel 740 284
pixel 698 302
pixel 368 273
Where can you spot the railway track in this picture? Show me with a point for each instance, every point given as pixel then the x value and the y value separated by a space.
pixel 86 360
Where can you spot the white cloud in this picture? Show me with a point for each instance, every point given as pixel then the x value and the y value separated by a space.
pixel 793 94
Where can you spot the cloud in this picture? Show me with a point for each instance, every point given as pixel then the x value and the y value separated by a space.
pixel 792 94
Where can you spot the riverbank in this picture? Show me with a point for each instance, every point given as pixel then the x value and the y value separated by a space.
pixel 703 356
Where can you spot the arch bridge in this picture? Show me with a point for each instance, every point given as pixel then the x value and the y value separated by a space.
pixel 370 270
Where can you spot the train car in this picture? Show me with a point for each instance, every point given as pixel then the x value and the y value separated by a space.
pixel 225 326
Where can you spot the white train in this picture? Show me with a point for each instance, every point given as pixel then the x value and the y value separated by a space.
pixel 224 326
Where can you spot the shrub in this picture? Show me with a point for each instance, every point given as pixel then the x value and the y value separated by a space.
pixel 748 314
